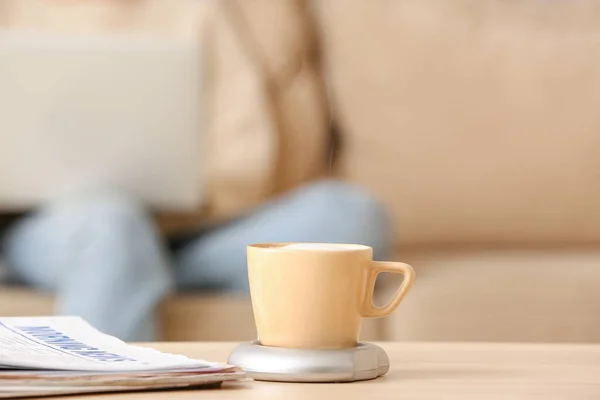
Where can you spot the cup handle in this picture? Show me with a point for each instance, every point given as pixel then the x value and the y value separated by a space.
pixel 369 310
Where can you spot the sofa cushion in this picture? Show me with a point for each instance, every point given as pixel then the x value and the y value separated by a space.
pixel 185 317
pixel 474 121
pixel 498 295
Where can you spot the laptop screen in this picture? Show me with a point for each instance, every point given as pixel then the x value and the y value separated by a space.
pixel 100 113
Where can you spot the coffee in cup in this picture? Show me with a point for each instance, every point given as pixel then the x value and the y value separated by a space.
pixel 314 295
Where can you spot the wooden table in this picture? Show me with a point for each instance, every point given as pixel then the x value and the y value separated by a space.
pixel 422 371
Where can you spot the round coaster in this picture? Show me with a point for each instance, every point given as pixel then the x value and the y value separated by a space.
pixel 264 363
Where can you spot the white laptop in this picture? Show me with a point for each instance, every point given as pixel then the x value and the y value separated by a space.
pixel 84 114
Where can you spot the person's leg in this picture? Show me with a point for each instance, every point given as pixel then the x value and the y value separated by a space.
pixel 325 211
pixel 103 258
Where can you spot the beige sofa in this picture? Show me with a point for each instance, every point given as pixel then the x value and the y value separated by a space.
pixel 476 123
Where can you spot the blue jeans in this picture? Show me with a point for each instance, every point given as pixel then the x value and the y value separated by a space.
pixel 106 261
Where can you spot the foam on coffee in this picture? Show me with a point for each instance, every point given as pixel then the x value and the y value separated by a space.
pixel 322 246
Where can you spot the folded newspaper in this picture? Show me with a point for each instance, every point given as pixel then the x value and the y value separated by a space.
pixel 46 356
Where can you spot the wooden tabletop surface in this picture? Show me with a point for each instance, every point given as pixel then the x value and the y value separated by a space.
pixel 421 371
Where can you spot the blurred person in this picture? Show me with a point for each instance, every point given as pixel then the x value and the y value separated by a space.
pixel 107 262
pixel 108 259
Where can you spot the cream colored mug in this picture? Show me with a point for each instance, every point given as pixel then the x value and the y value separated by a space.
pixel 314 295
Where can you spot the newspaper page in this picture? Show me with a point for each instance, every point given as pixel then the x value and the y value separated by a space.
pixel 61 355
pixel 70 343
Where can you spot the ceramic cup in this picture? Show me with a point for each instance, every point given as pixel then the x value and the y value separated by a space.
pixel 315 295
